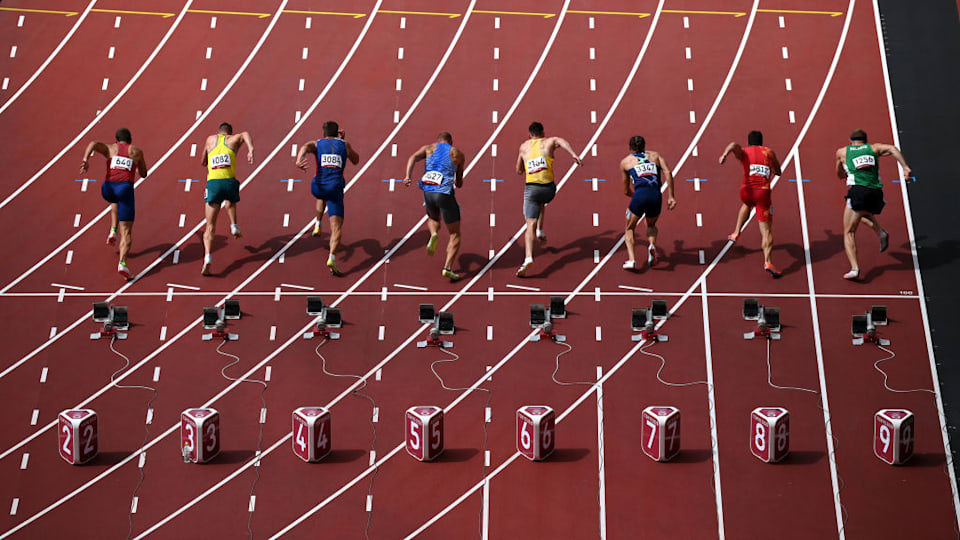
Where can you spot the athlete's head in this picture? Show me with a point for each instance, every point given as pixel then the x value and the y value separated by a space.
pixel 536 129
pixel 637 144
pixel 123 135
pixel 755 138
pixel 330 128
pixel 446 137
pixel 225 128
pixel 859 136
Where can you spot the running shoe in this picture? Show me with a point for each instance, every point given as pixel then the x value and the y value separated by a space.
pixel 630 265
pixel 112 238
pixel 852 274
pixel 432 245
pixel 207 268
pixel 450 274
pixel 541 236
pixel 733 237
pixel 124 272
pixel 235 231
pixel 316 230
pixel 524 267
pixel 332 265
pixel 772 270
pixel 652 257
pixel 884 240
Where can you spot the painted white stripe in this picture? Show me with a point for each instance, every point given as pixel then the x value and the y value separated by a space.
pixel 488 415
pixel 176 256
pixel 686 22
pixel 308 23
pixel 593 117
pixel 596 256
pixel 493 220
pixel 20 21
pixel 400 53
pixel 596 294
pixel 380 333
pixel 276 294
pixel 24 461
pixel 485 528
pixel 496 53
pixel 303 56
pixel 373 458
pixel 116 22
pixel 712 403
pixel 69 256
pixel 268 373
pixel 393 150
pixel 593 85
pixel 591 23
pixel 149 416
pixel 699 219
pixel 301 287
pixel 163 333
pixel 61 295
pixel 286 220
pixel 412 287
pixel 379 374
pixel 702 256
pixel 389 220
pixel 179 286
pixel 183 220
pixel 631 288
pixel 34 416
pixel 490 291
pixel 301 85
pixel 789 84
pixel 396 117
pixel 785 54
pixel 14 505
pixel 273 333
pixel 793 117
pixel 489 333
pixel 369 502
pixel 690 85
pixel 782 22
pixel 156 374
pixel 111 52
pixel 203 85
pixel 383 294
pixel 76 221
pixel 403 22
pixel 6 83
pixel 693 117
pixel 596 219
pixel 523 288
pixel 908 215
pixel 688 53
pixel 593 53
pixel 170 294
pixel 493 117
pixel 43 375
pixel 602 492
pixel 598 334
pixel 106 82
pixel 496 22
pixel 263 415
pixel 209 53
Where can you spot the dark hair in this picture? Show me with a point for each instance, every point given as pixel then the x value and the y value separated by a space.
pixel 637 143
pixel 536 129
pixel 445 137
pixel 330 129
pixel 755 138
pixel 859 135
pixel 123 135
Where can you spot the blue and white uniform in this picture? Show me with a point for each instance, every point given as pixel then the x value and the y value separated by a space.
pixel 437 183
pixel 329 183
pixel 647 199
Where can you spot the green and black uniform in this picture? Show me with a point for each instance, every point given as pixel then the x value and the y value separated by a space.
pixel 863 177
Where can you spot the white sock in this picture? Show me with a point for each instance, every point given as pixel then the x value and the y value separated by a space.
pixel 528 260
pixel 234 228
pixel 540 233
pixel 207 259
pixel 333 257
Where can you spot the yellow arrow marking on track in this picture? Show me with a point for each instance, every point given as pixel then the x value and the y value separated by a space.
pixel 124 12
pixel 734 13
pixel 354 15
pixel 213 12
pixel 641 15
pixel 47 11
pixel 451 15
pixel 544 15
pixel 830 13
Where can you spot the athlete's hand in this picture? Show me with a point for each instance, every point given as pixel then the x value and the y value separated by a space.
pixel 301 163
pixel 907 173
pixel 250 157
pixel 671 203
pixel 577 160
pixel 342 134
pixel 406 181
pixel 86 165
pixel 723 158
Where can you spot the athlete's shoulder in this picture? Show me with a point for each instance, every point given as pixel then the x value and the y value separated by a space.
pixel 135 151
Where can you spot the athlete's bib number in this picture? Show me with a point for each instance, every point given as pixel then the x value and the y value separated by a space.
pixel 536 165
pixel 220 161
pixel 645 169
pixel 759 170
pixel 120 162
pixel 864 162
pixel 433 178
pixel 331 161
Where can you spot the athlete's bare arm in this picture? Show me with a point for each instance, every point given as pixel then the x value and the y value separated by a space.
pixel 93 146
pixel 625 164
pixel 458 159
pixel 667 178
pixel 422 153
pixel 307 148
pixel 891 150
pixel 352 154
pixel 562 143
pixel 776 163
pixel 137 155
pixel 521 158
pixel 238 140
pixel 207 147
pixel 733 147
pixel 841 158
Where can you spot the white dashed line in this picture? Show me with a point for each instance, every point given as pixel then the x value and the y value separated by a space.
pixel 396 117
pixel 590 23
pixel 14 505
pixel 76 221
pixel 213 22
pixel 308 23
pixel 593 117
pixel 400 53
pixel 686 22
pixel 156 374
pixel 301 85
pixel 389 220
pixel 789 84
pixel 24 461
pixel 688 53
pixel 490 293
pixel 197 117
pixel 383 294
pixel 690 85
pixel 304 55
pixel 60 295
pixel 282 257
pixel 209 52
pixel 163 333
pixel 373 457
pixel 493 153
pixel 489 335
pixel 596 183
pixel 486 458
pixel 116 22
pixel 403 23
pixel 399 84
pixel 276 294
pixel 523 288
pixel 593 150
pixel 793 117
pixel 695 151
pixel 596 219
pixel 111 52
pixel 20 21
pixel 491 254
pixel 699 219
pixel 34 416
pixel 598 334
pixel 593 85
pixel 693 117
pixel 193 150
pixel 273 333
pixel 43 375
pixel 169 294
pixel 702 257
pixel 176 256
pixel 69 256
pixel 496 53
pixel 203 85
pixel 782 22
pixel 596 256
pixel 378 375
pixel 496 85
pixel 496 22
pixel 593 53
pixel 393 150
pixel 380 333
pixel 266 375
pixel 53 332
pixel 293 150
pixel 106 81
pixel 493 117
pixel 493 220
pixel 596 294
pixel 183 219
pixel 785 55
pixel 286 220
pixel 6 82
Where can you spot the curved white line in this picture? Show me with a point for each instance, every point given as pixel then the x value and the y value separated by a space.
pixel 105 110
pixel 50 58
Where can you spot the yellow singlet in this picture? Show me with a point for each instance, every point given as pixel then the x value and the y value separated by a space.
pixel 539 167
pixel 221 161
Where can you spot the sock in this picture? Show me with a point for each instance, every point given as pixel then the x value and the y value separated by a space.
pixel 234 228
pixel 332 257
pixel 528 260
pixel 123 264
pixel 207 259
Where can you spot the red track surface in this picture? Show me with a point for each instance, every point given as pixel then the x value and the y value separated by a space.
pixel 554 499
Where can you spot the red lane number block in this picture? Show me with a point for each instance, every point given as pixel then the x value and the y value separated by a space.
pixel 423 426
pixel 660 432
pixel 200 434
pixel 770 433
pixel 535 431
pixel 78 430
pixel 311 433
pixel 893 435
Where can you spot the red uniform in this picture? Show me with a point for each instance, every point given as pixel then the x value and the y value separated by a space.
pixel 757 164
pixel 120 168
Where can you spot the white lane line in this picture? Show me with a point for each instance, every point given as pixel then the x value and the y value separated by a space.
pixel 380 333
pixel 690 85
pixel 493 153
pixel 711 400
pixel 156 374
pixel 24 461
pixel 596 294
pixel 496 53
pixel 213 22
pixel 193 153
pixel 273 333
pixel 61 295
pixel 179 286
pixel 69 256
pixel 485 529
pixel 252 504
pixel 268 373
pixel 403 23
pixel 379 375
pixel 34 416
pixel 631 288
pixel 396 117
pixel 263 415
pixel 598 334
pixel 133 505
pixel 116 22
pixel 20 21
pixel 393 153
pixel 383 294
pixel 488 415
pixel 688 54
pixel 203 85
pixel 276 294
pixel 523 288
pixel 304 54
pixel 106 82
pixel 209 53
pixel 693 117
pixel 300 87
pixel 699 219
pixel 602 488
pixel 908 216
pixel 76 221
pixel 146 63
pixel 293 150
pixel 593 85
pixel 596 219
pixel 6 83
pixel 789 84
pixel 782 22
pixel 111 52
pixel 489 333
pixel 301 287
pixel 308 23
pixel 593 53
pixel 389 220
pixel 14 505
pixel 43 374
pixel 286 220
pixel 412 287
pixel 493 220
pixel 496 85
pixel 591 23
pixel 183 220
pixel 163 333
pixel 143 460
pixel 686 22
pixel 400 53
pixel 376 415
pixel 176 256
pixel 793 117
pixel 596 256
pixel 785 54
pixel 702 257
pixel 496 22
pixel 149 416
pixel 61 285
pixel 373 458
pixel 593 117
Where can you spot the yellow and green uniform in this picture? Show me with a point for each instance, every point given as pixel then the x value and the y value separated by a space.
pixel 861 166
pixel 539 167
pixel 222 173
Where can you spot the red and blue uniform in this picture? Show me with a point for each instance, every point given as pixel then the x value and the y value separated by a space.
pixel 118 184
pixel 757 164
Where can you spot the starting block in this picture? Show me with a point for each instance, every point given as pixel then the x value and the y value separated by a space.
pixel 434 340
pixel 546 332
pixel 78 429
pixel 424 432
pixel 199 435
pixel 311 433
pixel 770 433
pixel 535 431
pixel 323 332
pixel 109 331
pixel 660 432
pixel 893 435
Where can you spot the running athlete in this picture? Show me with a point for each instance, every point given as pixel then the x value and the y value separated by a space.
pixel 330 153
pixel 220 158
pixel 124 163
pixel 760 165
pixel 536 161
pixel 858 164
pixel 443 174
pixel 642 172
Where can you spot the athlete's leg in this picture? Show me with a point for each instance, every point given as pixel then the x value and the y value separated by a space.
pixel 336 226
pixel 529 234
pixel 870 220
pixel 766 239
pixel 113 217
pixel 652 230
pixel 628 238
pixel 742 216
pixel 851 219
pixel 212 210
pixel 541 235
pixel 126 239
pixel 232 213
pixel 453 246
pixel 433 226
pixel 318 225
